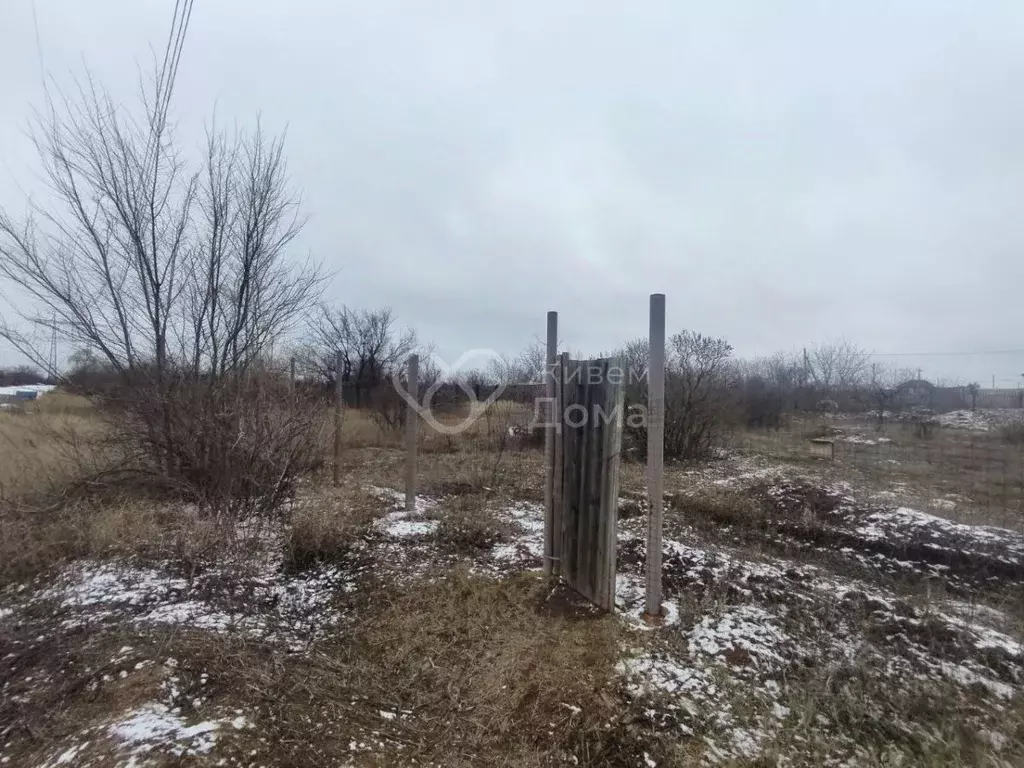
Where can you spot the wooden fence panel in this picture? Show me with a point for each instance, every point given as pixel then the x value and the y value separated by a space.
pixel 591 427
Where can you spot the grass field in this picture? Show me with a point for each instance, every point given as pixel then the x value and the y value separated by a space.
pixel 864 611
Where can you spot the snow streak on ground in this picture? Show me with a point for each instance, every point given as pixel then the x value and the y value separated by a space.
pixel 153 731
pixel 941 534
pixel 742 635
pixel 753 630
pixel 982 419
pixel 411 548
pixel 42 389
pixel 292 610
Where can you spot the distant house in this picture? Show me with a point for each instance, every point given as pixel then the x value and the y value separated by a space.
pixel 915 393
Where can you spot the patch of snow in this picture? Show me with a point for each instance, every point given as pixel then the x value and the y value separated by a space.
pixel 946 534
pixel 860 440
pixel 960 674
pixel 747 630
pixel 292 609
pixel 528 518
pixel 42 389
pixel 421 505
pixel 400 529
pixel 982 419
pixel 154 725
pixel 403 524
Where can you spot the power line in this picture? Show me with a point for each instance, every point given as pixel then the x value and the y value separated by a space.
pixel 39 47
pixel 967 352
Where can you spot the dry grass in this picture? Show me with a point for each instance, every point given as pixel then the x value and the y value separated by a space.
pixel 53 441
pixel 981 472
pixel 473 672
pixel 468 525
pixel 325 524
pixel 457 672
pixel 33 539
pixel 479 428
pixel 917 723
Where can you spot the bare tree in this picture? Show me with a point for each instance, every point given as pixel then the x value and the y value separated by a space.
pixel 770 388
pixel 372 346
pixel 885 389
pixel 176 279
pixel 525 368
pixel 838 366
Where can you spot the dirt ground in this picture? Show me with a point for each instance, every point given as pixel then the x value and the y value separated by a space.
pixel 816 613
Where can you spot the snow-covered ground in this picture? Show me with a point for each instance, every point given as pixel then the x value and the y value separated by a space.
pixel 743 636
pixel 42 389
pixel 982 419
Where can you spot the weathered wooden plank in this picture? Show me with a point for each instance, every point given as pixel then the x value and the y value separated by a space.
pixel 558 523
pixel 591 439
pixel 611 454
pixel 570 451
pixel 585 541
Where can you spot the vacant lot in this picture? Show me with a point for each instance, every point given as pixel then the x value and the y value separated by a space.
pixel 817 613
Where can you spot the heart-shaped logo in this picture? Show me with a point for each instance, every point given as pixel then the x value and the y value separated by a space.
pixel 476 407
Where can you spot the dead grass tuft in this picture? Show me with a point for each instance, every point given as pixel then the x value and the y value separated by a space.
pixel 33 539
pixel 468 525
pixel 323 527
pixel 1013 434
pixel 919 722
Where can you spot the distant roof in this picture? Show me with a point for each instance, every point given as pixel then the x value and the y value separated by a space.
pixel 915 384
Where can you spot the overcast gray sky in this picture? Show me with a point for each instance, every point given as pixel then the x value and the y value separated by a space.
pixel 785 172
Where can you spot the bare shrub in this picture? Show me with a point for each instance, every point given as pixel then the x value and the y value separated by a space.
pixel 388 409
pixel 234 446
pixel 697 396
pixel 924 426
pixel 827 406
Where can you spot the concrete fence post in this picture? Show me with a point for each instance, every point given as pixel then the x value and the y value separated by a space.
pixel 339 403
pixel 655 451
pixel 411 432
pixel 549 442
